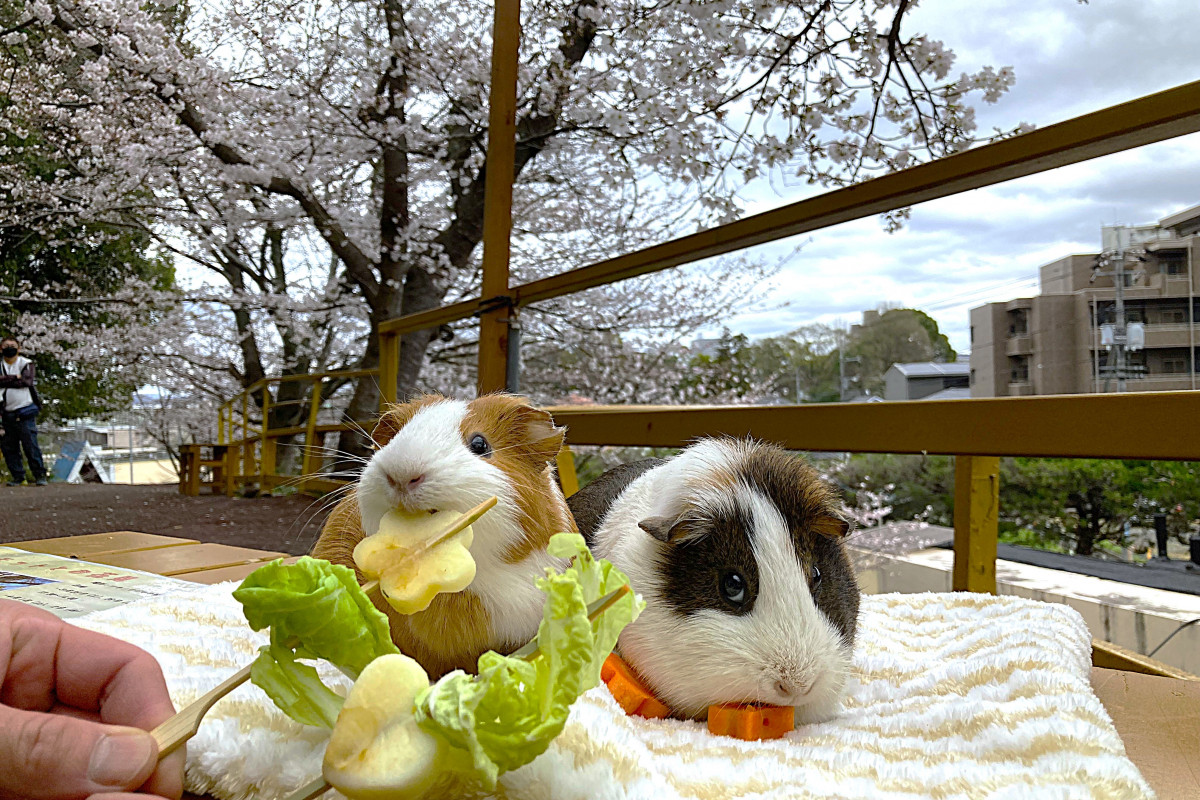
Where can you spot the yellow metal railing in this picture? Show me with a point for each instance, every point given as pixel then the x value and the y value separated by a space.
pixel 247 451
pixel 976 431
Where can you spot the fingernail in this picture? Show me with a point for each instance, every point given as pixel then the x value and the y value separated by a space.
pixel 120 757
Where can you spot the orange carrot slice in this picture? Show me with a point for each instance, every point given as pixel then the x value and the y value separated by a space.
pixel 749 722
pixel 628 690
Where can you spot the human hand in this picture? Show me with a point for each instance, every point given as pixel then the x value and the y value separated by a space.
pixel 74 710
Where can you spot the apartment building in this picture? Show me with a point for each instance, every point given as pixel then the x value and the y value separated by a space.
pixel 1058 341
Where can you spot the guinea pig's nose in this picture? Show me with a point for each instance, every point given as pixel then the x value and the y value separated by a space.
pixel 793 690
pixel 409 485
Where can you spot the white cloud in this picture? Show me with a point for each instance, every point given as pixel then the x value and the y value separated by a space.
pixel 986 245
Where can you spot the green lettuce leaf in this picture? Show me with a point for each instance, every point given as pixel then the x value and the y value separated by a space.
pixel 508 714
pixel 295 687
pixel 596 578
pixel 314 610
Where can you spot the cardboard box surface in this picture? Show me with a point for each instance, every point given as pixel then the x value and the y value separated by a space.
pixel 1159 722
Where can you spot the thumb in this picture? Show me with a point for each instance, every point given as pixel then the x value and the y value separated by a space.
pixel 54 757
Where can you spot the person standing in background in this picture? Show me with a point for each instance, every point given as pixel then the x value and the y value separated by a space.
pixel 19 408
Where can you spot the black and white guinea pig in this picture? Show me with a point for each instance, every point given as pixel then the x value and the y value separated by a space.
pixel 736 546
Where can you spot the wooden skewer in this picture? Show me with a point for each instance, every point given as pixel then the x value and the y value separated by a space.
pixel 458 525
pixel 310 790
pixel 531 650
pixel 183 726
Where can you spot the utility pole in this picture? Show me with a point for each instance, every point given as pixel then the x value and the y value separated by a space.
pixel 1119 334
pixel 844 380
pixel 1120 326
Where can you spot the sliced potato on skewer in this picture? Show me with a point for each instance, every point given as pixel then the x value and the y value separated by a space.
pixel 416 556
pixel 377 750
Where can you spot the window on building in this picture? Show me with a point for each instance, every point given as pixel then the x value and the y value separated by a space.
pixel 1172 366
pixel 1018 370
pixel 1173 263
pixel 1018 322
pixel 972 334
pixel 1170 316
pixel 972 377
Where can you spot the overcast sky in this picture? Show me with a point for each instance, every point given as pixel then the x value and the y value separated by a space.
pixel 987 245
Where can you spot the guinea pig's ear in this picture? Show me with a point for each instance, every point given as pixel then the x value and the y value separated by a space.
pixel 834 525
pixel 387 426
pixel 397 416
pixel 542 440
pixel 665 529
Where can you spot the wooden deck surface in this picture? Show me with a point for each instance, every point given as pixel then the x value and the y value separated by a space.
pixel 186 559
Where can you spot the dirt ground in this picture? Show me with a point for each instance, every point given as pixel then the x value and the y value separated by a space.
pixel 289 524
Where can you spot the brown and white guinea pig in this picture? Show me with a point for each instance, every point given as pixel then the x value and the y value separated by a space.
pixel 736 546
pixel 436 454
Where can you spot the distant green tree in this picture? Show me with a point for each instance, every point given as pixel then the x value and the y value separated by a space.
pixel 915 486
pixel 1062 504
pixel 729 372
pixel 814 367
pixel 1082 501
pixel 800 367
pixel 898 336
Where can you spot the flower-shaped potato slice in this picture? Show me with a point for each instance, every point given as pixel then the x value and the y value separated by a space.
pixel 377 750
pixel 415 557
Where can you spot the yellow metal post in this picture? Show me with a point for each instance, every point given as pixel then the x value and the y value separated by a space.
pixel 567 477
pixel 266 463
pixel 227 472
pixel 389 368
pixel 976 507
pixel 310 434
pixel 247 445
pixel 497 202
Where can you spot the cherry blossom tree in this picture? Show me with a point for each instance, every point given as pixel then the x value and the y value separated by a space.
pixel 324 163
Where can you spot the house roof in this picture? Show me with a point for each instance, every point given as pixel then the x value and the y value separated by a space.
pixel 932 369
pixel 953 393
pixel 1180 217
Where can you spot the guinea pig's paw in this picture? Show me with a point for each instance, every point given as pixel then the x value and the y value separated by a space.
pixel 416 557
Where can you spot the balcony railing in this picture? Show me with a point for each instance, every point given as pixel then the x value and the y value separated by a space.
pixel 1018 344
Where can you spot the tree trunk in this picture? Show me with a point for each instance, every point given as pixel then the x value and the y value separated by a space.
pixel 1086 535
pixel 420 294
pixel 364 405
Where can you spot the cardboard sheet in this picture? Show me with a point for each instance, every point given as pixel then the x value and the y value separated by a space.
pixel 1159 722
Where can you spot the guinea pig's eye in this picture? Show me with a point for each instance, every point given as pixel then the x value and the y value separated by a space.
pixel 479 445
pixel 815 580
pixel 733 588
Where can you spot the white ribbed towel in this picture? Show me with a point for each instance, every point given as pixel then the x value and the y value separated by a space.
pixel 954 696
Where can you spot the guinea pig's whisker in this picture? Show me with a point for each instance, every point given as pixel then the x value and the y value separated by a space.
pixel 323 504
pixel 347 419
pixel 330 451
pixel 328 500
